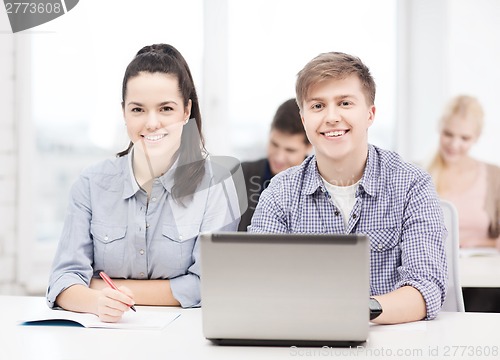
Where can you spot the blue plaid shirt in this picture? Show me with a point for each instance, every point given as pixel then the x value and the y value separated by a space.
pixel 396 206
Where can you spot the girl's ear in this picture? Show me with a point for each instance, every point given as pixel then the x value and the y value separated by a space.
pixel 187 111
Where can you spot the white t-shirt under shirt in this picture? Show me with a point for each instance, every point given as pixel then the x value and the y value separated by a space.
pixel 344 197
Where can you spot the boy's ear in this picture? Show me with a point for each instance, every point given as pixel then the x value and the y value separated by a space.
pixel 371 115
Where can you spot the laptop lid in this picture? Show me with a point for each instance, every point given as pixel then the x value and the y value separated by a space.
pixel 285 289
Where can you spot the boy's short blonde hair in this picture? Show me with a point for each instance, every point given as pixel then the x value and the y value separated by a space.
pixel 337 66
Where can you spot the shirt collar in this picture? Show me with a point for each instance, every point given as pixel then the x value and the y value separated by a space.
pixel 130 186
pixel 368 182
pixel 313 180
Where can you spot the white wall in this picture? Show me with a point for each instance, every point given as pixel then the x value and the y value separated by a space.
pixel 421 74
pixel 474 64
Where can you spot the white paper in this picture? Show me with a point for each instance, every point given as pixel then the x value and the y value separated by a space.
pixel 469 252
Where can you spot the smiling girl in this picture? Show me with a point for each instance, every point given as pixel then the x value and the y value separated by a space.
pixel 471 185
pixel 137 217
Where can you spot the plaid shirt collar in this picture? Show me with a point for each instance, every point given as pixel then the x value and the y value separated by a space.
pixel 367 184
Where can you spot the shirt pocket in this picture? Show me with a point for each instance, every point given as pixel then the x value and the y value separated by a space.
pixel 382 240
pixel 385 258
pixel 177 245
pixel 109 248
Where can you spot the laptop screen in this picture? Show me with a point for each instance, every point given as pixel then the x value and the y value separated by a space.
pixel 285 288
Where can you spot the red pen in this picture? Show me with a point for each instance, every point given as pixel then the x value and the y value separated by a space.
pixel 111 284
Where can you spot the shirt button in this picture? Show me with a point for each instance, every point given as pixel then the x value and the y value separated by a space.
pixel 380 246
pixel 157 181
pixel 337 213
pixel 141 252
pixel 147 225
pixel 106 237
pixel 153 199
pixel 180 237
pixel 141 274
pixel 354 216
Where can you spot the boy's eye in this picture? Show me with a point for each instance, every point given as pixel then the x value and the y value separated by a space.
pixel 317 106
pixel 345 103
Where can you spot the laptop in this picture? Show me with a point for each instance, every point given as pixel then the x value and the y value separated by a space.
pixel 285 289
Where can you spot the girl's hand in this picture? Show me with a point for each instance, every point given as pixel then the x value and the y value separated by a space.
pixel 112 304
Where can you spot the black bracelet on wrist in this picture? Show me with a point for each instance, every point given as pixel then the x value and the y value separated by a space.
pixel 375 308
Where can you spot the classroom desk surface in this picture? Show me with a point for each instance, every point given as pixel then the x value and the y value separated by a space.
pixel 479 269
pixel 451 335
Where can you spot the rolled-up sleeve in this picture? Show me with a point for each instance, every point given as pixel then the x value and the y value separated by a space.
pixel 424 264
pixel 186 288
pixel 73 260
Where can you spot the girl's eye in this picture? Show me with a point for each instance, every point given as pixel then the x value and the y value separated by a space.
pixel 166 108
pixel 136 109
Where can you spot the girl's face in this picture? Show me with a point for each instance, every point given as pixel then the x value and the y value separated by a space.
pixel 456 139
pixel 155 113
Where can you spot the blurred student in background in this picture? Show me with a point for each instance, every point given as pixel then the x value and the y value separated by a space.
pixel 473 186
pixel 288 146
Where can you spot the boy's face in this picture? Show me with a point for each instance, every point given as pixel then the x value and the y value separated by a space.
pixel 336 116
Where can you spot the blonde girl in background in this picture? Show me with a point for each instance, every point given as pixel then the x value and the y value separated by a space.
pixel 472 185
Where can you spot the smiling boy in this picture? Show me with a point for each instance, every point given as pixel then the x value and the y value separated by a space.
pixel 351 186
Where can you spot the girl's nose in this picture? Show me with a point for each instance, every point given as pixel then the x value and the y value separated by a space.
pixel 152 122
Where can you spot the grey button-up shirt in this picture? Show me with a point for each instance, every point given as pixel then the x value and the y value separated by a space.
pixel 111 227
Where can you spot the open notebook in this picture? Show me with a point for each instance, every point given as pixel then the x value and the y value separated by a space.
pixel 142 319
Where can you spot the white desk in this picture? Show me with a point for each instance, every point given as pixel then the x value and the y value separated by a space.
pixel 480 270
pixel 183 339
